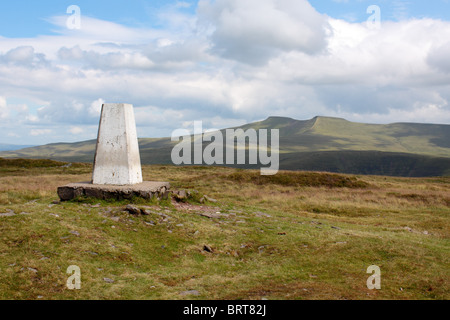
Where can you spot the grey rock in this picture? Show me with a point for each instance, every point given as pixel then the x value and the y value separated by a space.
pixel 208 248
pixel 108 280
pixel 8 213
pixel 133 209
pixel 190 293
pixel 210 199
pixel 180 195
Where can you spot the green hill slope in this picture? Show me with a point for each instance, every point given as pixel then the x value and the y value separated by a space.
pixel 321 143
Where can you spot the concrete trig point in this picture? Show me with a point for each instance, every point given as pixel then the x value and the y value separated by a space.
pixel 117 170
pixel 117 160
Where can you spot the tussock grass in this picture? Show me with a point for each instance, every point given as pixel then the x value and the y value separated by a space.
pixel 296 179
pixel 299 236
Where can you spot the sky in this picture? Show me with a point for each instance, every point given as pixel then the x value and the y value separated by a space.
pixel 222 62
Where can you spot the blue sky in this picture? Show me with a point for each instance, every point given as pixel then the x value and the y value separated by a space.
pixel 224 62
pixel 27 18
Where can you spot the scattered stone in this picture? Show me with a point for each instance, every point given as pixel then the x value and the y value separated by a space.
pixel 149 223
pixel 108 280
pixel 341 242
pixel 180 195
pixel 210 199
pixel 92 253
pixel 133 210
pixel 25 213
pixel 96 205
pixel 426 232
pixel 190 293
pixel 54 215
pixel 262 214
pixel 115 219
pixel 75 233
pixel 40 297
pixel 408 229
pixel 211 215
pixel 337 228
pixel 8 213
pixel 44 258
pixel 146 212
pixel 32 270
pixel 207 248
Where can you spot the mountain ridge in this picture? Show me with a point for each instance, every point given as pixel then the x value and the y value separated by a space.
pixel 328 142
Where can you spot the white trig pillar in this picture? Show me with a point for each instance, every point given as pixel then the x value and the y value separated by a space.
pixel 117 160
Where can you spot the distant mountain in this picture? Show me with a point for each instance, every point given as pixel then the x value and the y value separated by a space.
pixel 12 147
pixel 321 143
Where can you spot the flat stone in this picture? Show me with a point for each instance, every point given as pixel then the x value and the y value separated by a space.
pixel 190 293
pixel 108 280
pixel 9 213
pixel 133 209
pixel 146 190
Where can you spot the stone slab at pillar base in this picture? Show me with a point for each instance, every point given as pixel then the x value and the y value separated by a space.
pixel 146 190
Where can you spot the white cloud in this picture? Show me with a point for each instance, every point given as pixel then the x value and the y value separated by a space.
pixel 4 112
pixel 439 58
pixel 253 31
pixel 76 130
pixel 96 107
pixel 39 132
pixel 235 61
pixel 108 61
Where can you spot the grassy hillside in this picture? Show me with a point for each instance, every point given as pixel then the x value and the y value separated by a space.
pixel 300 235
pixel 321 143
